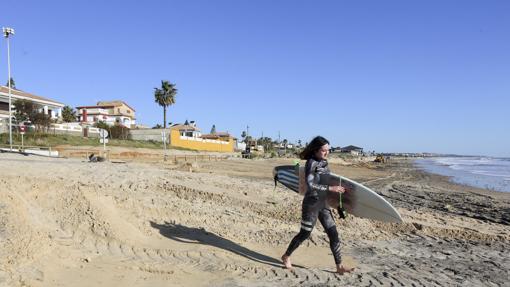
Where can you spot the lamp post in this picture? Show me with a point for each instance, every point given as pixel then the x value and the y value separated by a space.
pixel 7 32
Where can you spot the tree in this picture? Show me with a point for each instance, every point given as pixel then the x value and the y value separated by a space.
pixel 158 126
pixel 25 109
pixel 41 121
pixel 165 96
pixel 243 134
pixel 213 129
pixel 13 84
pixel 102 125
pixel 68 114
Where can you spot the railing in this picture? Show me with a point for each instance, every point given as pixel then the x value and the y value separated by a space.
pixel 202 157
pixel 39 150
pixel 111 155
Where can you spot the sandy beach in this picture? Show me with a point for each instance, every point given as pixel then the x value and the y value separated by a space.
pixel 68 222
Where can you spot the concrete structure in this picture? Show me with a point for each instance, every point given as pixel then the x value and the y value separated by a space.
pixel 47 106
pixel 149 134
pixel 110 112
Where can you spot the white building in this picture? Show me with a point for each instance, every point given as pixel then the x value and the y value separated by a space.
pixel 111 112
pixel 49 107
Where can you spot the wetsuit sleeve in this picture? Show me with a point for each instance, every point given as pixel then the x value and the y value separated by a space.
pixel 311 175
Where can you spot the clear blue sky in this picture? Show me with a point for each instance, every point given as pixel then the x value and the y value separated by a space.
pixel 384 75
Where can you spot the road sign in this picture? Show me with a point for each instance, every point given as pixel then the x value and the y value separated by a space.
pixel 103 141
pixel 22 129
pixel 103 133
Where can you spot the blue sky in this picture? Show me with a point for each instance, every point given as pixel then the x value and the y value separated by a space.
pixel 384 75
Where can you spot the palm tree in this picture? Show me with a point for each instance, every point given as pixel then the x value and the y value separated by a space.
pixel 165 96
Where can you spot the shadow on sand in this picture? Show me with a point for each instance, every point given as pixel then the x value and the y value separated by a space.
pixel 191 235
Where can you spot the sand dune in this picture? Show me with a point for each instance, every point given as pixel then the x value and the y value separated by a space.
pixel 67 222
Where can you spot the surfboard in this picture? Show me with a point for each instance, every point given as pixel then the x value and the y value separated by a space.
pixel 357 200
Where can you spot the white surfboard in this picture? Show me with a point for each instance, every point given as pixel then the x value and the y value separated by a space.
pixel 358 200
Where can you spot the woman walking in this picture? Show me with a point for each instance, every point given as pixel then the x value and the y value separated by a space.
pixel 314 203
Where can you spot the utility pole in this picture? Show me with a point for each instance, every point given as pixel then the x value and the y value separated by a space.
pixel 7 32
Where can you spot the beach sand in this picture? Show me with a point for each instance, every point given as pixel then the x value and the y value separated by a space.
pixel 68 222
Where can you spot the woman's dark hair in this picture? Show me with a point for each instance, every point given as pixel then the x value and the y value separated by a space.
pixel 313 147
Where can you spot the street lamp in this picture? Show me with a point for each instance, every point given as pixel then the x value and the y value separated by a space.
pixel 7 32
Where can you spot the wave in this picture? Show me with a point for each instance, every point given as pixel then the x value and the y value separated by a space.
pixel 484 172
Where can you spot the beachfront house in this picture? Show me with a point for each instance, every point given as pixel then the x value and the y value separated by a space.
pixel 354 150
pixel 188 129
pixel 188 136
pixel 110 112
pixel 45 105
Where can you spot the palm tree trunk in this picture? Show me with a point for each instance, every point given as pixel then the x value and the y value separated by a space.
pixel 164 117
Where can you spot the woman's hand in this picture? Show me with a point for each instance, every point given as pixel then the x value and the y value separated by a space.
pixel 337 189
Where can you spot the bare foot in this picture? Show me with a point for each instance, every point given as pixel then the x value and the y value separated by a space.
pixel 286 261
pixel 340 269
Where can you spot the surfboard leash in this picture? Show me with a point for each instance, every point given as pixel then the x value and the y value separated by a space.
pixel 341 211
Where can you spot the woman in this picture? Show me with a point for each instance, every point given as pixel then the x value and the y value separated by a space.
pixel 314 203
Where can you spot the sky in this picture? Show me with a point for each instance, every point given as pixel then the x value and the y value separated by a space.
pixel 389 76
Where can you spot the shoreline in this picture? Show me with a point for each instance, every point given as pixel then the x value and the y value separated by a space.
pixel 73 223
pixel 482 181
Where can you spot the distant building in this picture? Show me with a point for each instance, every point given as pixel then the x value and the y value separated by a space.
pixel 110 112
pixel 187 129
pixel 45 105
pixel 352 150
pixel 188 135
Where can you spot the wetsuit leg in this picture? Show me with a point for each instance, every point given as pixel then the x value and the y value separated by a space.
pixel 309 214
pixel 327 221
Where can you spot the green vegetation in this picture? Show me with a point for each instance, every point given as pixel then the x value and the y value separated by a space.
pixel 26 111
pixel 37 139
pixel 68 114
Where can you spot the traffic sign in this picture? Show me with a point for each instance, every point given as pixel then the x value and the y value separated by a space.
pixel 103 133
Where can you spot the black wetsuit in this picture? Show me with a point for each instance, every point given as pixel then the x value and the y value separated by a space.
pixel 314 206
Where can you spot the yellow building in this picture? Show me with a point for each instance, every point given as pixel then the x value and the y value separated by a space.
pixel 189 136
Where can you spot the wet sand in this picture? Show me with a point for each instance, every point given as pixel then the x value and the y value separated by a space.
pixel 67 222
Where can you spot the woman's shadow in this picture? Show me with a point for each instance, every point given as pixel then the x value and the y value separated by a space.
pixel 191 235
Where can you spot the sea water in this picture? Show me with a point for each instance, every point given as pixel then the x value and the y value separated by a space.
pixel 485 172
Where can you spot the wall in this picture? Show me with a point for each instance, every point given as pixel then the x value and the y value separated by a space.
pixel 148 134
pixel 72 129
pixel 200 144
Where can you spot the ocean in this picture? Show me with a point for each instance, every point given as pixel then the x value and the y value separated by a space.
pixel 485 172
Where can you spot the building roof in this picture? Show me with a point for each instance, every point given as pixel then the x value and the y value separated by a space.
pixel 182 127
pixel 351 147
pixel 217 135
pixel 114 103
pixel 19 93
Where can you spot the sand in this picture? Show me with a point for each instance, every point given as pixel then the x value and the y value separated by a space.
pixel 68 222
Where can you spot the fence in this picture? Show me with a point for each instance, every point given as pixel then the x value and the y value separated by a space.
pixel 74 129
